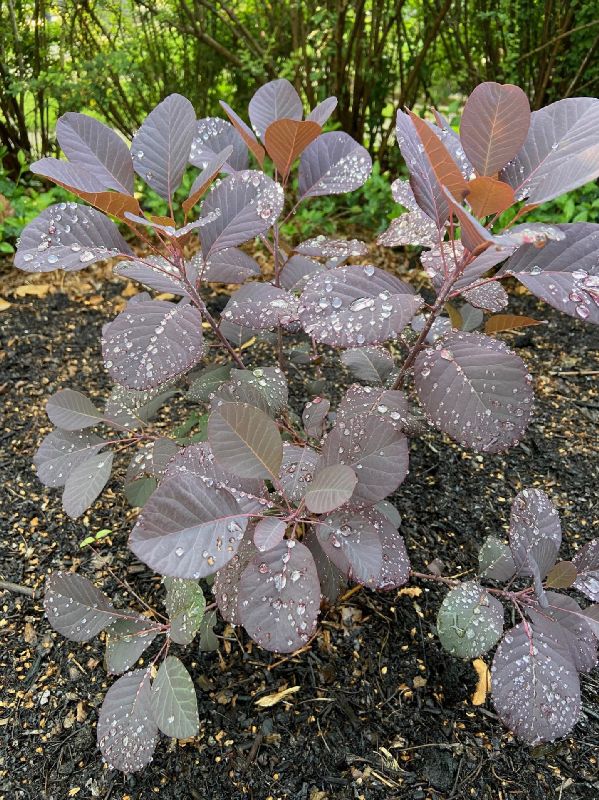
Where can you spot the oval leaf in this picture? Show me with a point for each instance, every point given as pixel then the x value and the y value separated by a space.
pixel 71 410
pixel 331 487
pixel 470 620
pixel 333 164
pixel 269 532
pixel 61 452
pixel 75 608
pixel 286 140
pixel 126 640
pixel 185 605
pixel 587 566
pixel 211 136
pixel 245 441
pixel 273 101
pixel 85 482
pixel 174 702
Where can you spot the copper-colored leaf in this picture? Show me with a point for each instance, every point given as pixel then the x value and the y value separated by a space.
pixel 454 315
pixel 489 196
pixel 508 322
pixel 272 699
pixel 562 575
pixel 112 203
pixel 446 170
pixel 286 139
pixel 245 132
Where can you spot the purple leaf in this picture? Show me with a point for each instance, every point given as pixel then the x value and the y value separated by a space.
pixel 149 343
pixel 395 568
pixel 61 452
pixel 161 147
pixel 156 273
pixel 274 100
pixel 376 451
pixel 245 441
pixel 226 266
pixel 587 564
pixel 246 133
pixel 356 305
pixel 441 327
pixel 72 411
pixel 261 306
pixel 330 488
pixel 576 631
pixel 323 111
pixel 323 247
pixel 333 164
pixel 369 364
pixel 269 532
pixel 279 597
pixel 476 390
pixel 561 151
pixel 91 144
pixel 413 228
pixel 262 387
pixel 535 534
pixel 173 701
pixel 127 733
pixel 470 620
pixel 332 582
pixel 127 408
pixel 211 136
pixel 188 529
pixel 489 296
pixel 386 405
pixel 495 560
pixel 85 482
pixel 536 690
pixel 402 193
pixel 297 469
pixel 75 608
pixel 247 204
pixel 216 164
pixel 563 273
pixel 494 125
pixel 68 236
pixel 296 269
pixel 67 173
pixel 352 543
pixel 314 416
pixel 226 582
pixel 207 382
pixel 126 640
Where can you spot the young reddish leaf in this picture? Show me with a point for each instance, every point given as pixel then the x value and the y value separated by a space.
pixel 561 151
pixel 494 125
pixel 88 142
pixel 586 562
pixel 333 164
pixel 68 236
pixel 444 167
pixel 508 322
pixel 188 528
pixel 161 146
pixel 279 597
pixel 246 133
pixel 127 733
pixel 489 402
pixel 535 686
pixel 75 608
pixel 274 101
pixel 331 487
pixel 72 411
pixel 151 342
pixel 487 196
pixel 286 140
pixel 174 702
pixel 245 441
pixel 561 576
pixel 71 176
pixel 202 183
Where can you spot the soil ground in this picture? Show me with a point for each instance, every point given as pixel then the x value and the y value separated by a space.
pixel 382 711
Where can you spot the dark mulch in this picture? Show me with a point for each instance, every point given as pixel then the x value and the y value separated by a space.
pixel 381 712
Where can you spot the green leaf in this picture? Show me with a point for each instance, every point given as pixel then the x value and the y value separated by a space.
pixel 207 382
pixel 208 639
pixel 174 702
pixel 470 620
pixel 185 605
pixel 562 575
pixel 139 492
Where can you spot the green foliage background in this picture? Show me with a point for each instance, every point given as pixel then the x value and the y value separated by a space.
pixel 116 59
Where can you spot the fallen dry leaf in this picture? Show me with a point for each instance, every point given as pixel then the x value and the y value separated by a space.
pixel 419 682
pixel 35 289
pixel 483 687
pixel 410 591
pixel 4 304
pixel 29 633
pixel 272 699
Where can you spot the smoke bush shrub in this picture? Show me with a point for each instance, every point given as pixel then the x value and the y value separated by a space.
pixel 279 510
